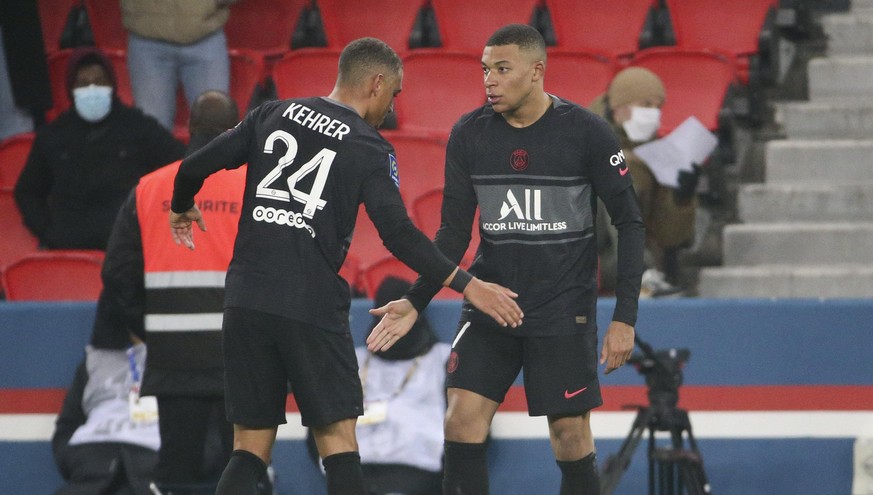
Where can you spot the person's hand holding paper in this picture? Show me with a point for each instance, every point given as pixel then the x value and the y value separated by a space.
pixel 689 144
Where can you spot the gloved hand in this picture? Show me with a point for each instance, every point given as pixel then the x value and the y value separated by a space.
pixel 687 184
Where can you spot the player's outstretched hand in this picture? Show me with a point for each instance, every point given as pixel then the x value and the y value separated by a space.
pixel 496 301
pixel 181 226
pixel 618 344
pixel 397 319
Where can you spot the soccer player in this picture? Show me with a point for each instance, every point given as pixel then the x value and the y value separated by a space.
pixel 534 164
pixel 311 162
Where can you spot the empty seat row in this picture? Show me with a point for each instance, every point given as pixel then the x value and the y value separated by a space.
pixel 57 275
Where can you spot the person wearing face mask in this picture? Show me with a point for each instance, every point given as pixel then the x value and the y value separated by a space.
pixel 632 104
pixel 83 164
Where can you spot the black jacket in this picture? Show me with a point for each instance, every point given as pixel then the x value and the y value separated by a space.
pixel 78 174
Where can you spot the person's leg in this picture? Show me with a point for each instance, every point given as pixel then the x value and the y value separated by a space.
pixel 153 78
pixel 468 420
pixel 484 362
pixel 573 446
pixel 255 393
pixel 338 448
pixel 205 66
pixel 560 375
pixel 248 462
pixel 183 424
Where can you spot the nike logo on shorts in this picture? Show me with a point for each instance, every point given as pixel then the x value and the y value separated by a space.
pixel 570 395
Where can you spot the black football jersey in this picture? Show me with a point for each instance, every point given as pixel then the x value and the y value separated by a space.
pixel 536 189
pixel 311 162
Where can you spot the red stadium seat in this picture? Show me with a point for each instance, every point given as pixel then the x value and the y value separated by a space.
pixel 421 159
pixel 609 27
pixel 306 72
pixel 578 76
pixel 263 25
pixel 732 27
pixel 52 18
pixel 13 155
pixel 57 64
pixel 16 241
pixel 466 26
pixel 427 214
pixel 246 73
pixel 702 95
pixel 54 276
pixel 392 267
pixel 438 87
pixel 389 20
pixel 104 16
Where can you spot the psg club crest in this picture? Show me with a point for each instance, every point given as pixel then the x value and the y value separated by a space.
pixel 519 160
pixel 452 365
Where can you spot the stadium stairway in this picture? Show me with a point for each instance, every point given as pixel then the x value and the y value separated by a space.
pixel 807 230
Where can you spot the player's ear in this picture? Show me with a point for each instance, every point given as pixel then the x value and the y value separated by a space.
pixel 377 84
pixel 539 70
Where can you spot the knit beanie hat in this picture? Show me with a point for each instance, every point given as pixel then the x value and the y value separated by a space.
pixel 632 84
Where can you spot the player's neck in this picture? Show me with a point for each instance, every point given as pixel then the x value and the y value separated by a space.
pixel 348 99
pixel 530 111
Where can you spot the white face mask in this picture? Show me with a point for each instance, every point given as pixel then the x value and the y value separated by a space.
pixel 643 123
pixel 93 102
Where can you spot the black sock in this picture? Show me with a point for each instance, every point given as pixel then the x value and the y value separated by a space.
pixel 343 473
pixel 580 477
pixel 466 469
pixel 241 476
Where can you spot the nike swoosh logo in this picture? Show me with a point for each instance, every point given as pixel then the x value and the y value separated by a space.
pixel 622 171
pixel 570 395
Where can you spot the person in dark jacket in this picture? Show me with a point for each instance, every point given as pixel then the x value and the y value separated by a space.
pixel 174 300
pixel 84 163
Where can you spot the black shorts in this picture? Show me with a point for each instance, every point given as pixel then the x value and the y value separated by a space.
pixel 263 353
pixel 560 372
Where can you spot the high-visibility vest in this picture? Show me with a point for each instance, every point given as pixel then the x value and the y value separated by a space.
pixel 184 288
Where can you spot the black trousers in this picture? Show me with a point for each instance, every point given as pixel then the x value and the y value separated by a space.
pixel 196 440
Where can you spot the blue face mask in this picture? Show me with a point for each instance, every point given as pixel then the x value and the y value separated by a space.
pixel 93 102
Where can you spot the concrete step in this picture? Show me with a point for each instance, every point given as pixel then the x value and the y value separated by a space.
pixel 773 203
pixel 849 33
pixel 819 161
pixel 797 243
pixel 861 6
pixel 842 281
pixel 840 77
pixel 827 120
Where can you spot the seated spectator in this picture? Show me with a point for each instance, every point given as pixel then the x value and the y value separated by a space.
pixel 82 165
pixel 632 105
pixel 400 435
pixel 101 444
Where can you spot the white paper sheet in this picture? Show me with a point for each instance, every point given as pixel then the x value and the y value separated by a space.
pixel 690 143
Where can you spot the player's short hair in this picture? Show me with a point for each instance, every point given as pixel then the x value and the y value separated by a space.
pixel 213 111
pixel 526 37
pixel 364 57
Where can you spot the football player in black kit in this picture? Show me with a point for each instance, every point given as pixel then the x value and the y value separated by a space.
pixel 534 164
pixel 311 162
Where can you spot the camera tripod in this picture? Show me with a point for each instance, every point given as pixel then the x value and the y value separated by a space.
pixel 674 469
